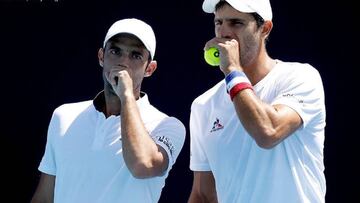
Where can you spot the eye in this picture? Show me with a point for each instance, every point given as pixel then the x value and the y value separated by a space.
pixel 217 22
pixel 137 56
pixel 114 51
pixel 236 22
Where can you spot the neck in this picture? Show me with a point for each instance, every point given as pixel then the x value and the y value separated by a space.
pixel 261 66
pixel 112 104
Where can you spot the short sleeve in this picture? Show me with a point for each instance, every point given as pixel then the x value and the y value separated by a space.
pixel 170 135
pixel 47 164
pixel 198 158
pixel 303 92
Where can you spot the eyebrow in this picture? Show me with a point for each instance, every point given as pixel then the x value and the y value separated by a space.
pixel 132 45
pixel 133 49
pixel 228 19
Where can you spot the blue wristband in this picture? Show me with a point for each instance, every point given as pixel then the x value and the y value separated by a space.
pixel 234 74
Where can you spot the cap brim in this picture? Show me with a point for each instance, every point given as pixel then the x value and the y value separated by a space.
pixel 209 5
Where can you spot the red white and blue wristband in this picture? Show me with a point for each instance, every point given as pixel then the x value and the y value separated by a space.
pixel 237 81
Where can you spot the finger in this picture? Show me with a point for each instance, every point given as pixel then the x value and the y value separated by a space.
pixel 111 78
pixel 211 43
pixel 107 76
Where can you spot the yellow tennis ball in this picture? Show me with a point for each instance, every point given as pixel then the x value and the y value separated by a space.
pixel 211 56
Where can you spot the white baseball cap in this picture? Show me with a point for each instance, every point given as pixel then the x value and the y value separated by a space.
pixel 136 27
pixel 261 7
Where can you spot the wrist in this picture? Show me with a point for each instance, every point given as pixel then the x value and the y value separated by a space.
pixel 230 69
pixel 126 95
pixel 236 81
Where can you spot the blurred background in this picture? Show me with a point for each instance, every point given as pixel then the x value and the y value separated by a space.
pixel 49 57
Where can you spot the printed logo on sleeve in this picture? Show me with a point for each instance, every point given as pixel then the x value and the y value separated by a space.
pixel 293 96
pixel 166 142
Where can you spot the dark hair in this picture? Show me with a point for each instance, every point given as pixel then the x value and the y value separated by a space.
pixel 259 20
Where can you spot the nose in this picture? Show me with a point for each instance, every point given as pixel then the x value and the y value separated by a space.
pixel 223 31
pixel 123 59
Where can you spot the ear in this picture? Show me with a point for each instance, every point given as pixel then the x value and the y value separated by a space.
pixel 150 68
pixel 101 57
pixel 266 28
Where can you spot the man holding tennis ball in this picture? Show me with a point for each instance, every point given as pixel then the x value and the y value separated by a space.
pixel 257 135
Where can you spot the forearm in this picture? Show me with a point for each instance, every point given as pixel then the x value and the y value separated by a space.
pixel 195 199
pixel 39 200
pixel 203 189
pixel 262 121
pixel 45 190
pixel 141 154
pixel 198 199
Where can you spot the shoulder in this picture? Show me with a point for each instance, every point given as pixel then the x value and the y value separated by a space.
pixel 173 122
pixel 152 116
pixel 64 115
pixel 171 127
pixel 212 95
pixel 72 108
pixel 296 73
pixel 150 113
pixel 296 68
pixel 160 125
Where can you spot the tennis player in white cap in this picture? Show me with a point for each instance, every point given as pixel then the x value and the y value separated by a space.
pixel 116 147
pixel 257 136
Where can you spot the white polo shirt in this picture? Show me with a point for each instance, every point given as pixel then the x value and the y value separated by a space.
pixel 84 152
pixel 292 171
